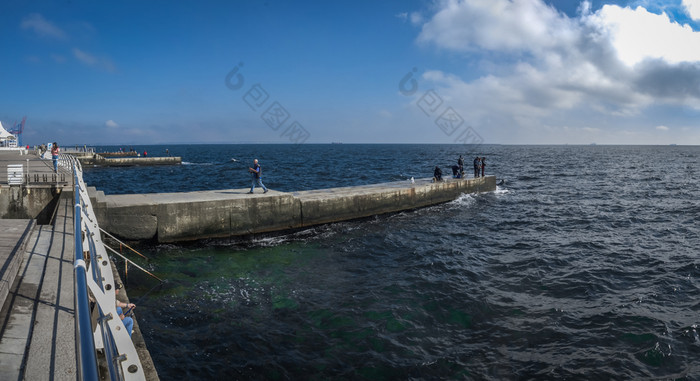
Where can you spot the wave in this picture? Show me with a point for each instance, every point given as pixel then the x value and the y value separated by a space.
pixel 500 191
pixel 463 200
pixel 190 163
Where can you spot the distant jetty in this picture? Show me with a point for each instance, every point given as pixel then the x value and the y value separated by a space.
pixel 119 154
pixel 97 160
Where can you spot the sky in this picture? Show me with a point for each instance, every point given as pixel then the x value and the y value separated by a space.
pixel 415 71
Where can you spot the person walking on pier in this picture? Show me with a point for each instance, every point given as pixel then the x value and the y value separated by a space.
pixel 483 166
pixel 477 166
pixel 256 172
pixel 54 156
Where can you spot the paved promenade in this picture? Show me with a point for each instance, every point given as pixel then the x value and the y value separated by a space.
pixel 37 318
pixel 40 170
pixel 37 327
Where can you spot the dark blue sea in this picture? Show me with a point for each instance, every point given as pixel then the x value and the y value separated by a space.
pixel 583 265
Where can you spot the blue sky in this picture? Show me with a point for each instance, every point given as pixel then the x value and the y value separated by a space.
pixel 492 71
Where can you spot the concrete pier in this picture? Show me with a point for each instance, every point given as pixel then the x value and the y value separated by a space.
pixel 37 318
pixel 98 161
pixel 34 193
pixel 174 217
pixel 37 335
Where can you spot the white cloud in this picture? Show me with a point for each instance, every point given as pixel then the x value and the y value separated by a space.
pixel 500 25
pixel 84 57
pixel 638 35
pixel 42 27
pixel 112 124
pixel 692 7
pixel 662 128
pixel 545 68
pixel 416 18
pixel 90 60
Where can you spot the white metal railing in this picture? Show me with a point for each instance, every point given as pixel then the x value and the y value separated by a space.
pixel 110 333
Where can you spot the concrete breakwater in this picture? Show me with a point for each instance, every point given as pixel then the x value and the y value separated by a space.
pixel 98 160
pixel 187 216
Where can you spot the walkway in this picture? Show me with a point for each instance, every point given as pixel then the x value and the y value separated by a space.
pixel 40 170
pixel 37 328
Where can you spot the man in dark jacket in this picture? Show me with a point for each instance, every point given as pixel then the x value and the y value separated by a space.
pixel 256 171
pixel 437 174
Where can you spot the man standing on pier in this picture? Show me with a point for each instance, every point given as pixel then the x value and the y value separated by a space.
pixel 256 171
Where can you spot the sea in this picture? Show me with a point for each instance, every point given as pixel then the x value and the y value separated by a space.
pixel 582 265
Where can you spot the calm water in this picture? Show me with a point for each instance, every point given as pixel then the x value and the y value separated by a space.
pixel 584 265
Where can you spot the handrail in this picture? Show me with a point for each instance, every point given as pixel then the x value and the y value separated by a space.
pixel 87 359
pixel 110 334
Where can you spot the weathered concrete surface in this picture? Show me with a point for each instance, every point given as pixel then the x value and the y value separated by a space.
pixel 37 320
pixel 340 204
pixel 172 217
pixel 37 335
pixel 36 197
pixel 14 235
pixel 28 202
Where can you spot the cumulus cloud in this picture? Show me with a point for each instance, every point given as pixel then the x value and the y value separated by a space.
pixel 662 128
pixel 638 34
pixel 500 25
pixel 546 67
pixel 112 124
pixel 42 27
pixel 692 7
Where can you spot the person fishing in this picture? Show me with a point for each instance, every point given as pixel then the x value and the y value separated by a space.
pixel 256 172
pixel 437 174
pixel 126 320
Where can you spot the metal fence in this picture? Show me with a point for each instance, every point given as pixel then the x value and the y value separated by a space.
pixel 95 280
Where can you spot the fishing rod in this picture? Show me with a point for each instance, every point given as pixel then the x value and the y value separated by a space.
pixel 143 296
